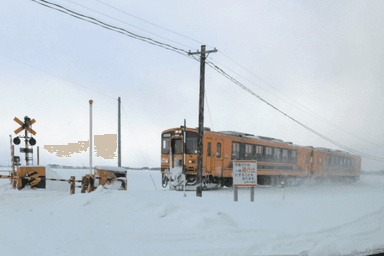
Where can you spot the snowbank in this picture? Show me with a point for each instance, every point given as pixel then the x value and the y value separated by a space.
pixel 324 219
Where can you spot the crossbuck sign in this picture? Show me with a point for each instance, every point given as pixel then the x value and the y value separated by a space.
pixel 244 173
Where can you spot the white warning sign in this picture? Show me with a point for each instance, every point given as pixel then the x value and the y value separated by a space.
pixel 244 173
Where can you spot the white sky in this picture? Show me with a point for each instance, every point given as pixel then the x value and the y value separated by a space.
pixel 325 55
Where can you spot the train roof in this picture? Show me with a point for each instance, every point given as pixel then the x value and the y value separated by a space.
pixel 252 136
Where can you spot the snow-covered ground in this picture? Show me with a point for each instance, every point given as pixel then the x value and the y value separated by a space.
pixel 320 219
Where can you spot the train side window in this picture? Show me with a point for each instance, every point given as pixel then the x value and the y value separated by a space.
pixel 259 152
pixel 268 153
pixel 328 160
pixel 242 151
pixel 277 154
pixel 285 155
pixel 235 150
pixel 248 151
pixel 294 156
pixel 218 154
pixel 209 149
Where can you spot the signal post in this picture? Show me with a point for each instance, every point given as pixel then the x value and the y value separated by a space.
pixel 26 126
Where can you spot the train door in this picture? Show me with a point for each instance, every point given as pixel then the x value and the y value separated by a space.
pixel 176 155
pixel 217 167
pixel 209 156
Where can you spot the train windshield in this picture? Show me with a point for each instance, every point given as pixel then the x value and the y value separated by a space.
pixel 177 146
pixel 191 145
pixel 165 146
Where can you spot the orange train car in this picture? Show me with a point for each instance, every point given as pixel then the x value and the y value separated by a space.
pixel 276 160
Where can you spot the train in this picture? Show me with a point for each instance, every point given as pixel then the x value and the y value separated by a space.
pixel 277 160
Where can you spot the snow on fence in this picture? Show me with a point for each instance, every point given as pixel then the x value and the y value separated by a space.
pixel 35 176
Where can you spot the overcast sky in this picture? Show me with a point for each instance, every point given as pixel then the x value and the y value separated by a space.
pixel 321 62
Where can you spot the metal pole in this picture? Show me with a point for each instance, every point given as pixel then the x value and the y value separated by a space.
pixel 26 147
pixel 38 156
pixel 184 151
pixel 119 137
pixel 252 193
pixel 90 136
pixel 10 140
pixel 199 191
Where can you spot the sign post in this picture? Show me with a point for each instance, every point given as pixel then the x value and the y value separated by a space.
pixel 244 175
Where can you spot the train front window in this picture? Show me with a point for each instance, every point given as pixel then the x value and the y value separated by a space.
pixel 191 145
pixel 177 146
pixel 165 143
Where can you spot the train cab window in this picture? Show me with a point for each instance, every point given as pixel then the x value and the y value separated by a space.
pixel 165 143
pixel 235 150
pixel 177 146
pixel 191 145
pixel 209 149
pixel 285 155
pixel 218 154
pixel 248 151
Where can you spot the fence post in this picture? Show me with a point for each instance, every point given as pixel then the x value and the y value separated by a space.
pixel 252 193
pixel 90 183
pixel 235 194
pixel 84 184
pixel 13 180
pixel 72 182
pixel 282 189
pixel 123 185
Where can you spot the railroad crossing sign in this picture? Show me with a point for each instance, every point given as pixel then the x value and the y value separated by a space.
pixel 25 126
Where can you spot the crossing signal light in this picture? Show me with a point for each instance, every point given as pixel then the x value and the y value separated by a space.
pixel 16 141
pixel 32 141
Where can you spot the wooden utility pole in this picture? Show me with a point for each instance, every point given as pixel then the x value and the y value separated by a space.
pixel 203 56
pixel 119 137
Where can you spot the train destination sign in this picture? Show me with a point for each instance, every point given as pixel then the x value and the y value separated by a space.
pixel 244 173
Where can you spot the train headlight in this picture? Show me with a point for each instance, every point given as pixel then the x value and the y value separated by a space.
pixel 191 161
pixel 164 160
pixel 178 131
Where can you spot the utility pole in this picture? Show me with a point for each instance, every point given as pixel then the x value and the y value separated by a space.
pixel 119 136
pixel 90 136
pixel 199 191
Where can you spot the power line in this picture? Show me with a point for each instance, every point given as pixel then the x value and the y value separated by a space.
pixel 322 119
pixel 102 24
pixel 127 23
pixel 222 72
pixel 151 23
pixel 185 53
pixel 141 152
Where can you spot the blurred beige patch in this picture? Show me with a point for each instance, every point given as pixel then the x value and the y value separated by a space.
pixel 106 145
pixel 67 150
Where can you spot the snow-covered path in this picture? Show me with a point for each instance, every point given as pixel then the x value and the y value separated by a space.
pixel 317 219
